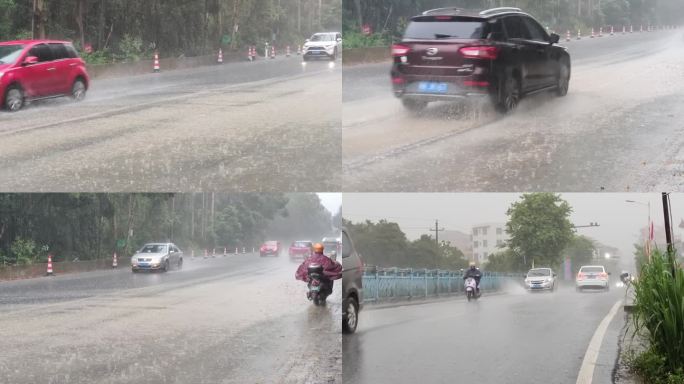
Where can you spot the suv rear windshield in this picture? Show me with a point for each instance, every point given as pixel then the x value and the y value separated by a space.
pixel 302 244
pixel 10 53
pixel 444 27
pixel 591 269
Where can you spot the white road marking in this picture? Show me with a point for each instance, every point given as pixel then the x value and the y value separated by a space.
pixel 586 373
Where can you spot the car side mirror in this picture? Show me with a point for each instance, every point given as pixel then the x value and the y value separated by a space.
pixel 554 275
pixel 30 60
pixel 555 38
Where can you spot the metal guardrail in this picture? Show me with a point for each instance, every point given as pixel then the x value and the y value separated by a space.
pixel 407 283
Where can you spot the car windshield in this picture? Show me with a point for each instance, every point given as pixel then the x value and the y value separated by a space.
pixel 539 272
pixel 430 29
pixel 301 244
pixel 10 53
pixel 322 37
pixel 271 243
pixel 329 247
pixel 591 269
pixel 153 248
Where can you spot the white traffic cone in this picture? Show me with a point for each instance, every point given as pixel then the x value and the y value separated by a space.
pixel 192 253
pixel 299 49
pixel 600 31
pixel 287 51
pixel 579 34
pixel 567 36
pixel 220 56
pixel 206 253
pixel 236 250
pixel 115 264
pixel 49 266
pixel 592 33
pixel 225 251
pixel 243 250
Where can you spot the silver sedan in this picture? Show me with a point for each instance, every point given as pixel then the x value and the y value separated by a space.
pixel 157 256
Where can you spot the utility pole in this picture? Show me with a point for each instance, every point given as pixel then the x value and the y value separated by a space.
pixel 437 230
pixel 668 232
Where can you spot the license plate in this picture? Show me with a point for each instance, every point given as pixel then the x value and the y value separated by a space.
pixel 316 288
pixel 432 87
pixel 143 265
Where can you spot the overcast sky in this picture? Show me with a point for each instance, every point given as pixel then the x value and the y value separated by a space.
pixel 619 221
pixel 331 201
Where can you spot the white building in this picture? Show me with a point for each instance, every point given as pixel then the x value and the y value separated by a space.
pixel 487 238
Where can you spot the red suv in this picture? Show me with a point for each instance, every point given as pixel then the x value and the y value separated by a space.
pixel 500 53
pixel 270 248
pixel 39 69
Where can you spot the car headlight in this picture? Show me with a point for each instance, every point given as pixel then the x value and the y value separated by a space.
pixel 1 73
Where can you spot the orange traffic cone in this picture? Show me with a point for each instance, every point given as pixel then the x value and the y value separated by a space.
pixel 213 252
pixel 115 264
pixel 220 56
pixel 156 63
pixel 253 250
pixel 287 51
pixel 579 34
pixel 567 36
pixel 631 29
pixel 273 52
pixel 49 266
pixel 236 250
pixel 225 252
pixel 299 49
pixel 192 253
pixel 243 250
pixel 600 31
pixel 592 33
pixel 206 253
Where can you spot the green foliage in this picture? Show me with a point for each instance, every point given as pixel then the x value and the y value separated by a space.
pixel 131 30
pixel 98 57
pixel 359 40
pixel 89 226
pixel 388 17
pixel 130 48
pixel 659 303
pixel 24 251
pixel 580 251
pixel 652 367
pixel 385 244
pixel 539 228
pixel 306 219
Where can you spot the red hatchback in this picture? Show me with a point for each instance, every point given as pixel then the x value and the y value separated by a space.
pixel 270 248
pixel 301 249
pixel 39 69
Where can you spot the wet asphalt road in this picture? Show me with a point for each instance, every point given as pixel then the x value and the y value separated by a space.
pixel 510 338
pixel 234 319
pixel 228 128
pixel 619 128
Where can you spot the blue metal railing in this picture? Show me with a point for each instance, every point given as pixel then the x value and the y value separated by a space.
pixel 397 283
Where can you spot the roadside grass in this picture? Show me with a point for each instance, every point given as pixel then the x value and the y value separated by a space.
pixel 659 316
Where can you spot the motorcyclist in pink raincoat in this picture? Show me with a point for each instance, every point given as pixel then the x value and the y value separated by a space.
pixel 332 270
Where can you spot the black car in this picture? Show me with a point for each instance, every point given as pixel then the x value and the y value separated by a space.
pixel 501 53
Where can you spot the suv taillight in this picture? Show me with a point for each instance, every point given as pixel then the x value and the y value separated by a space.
pixel 603 275
pixel 480 52
pixel 399 50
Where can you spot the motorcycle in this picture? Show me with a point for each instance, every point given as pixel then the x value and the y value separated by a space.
pixel 471 289
pixel 318 291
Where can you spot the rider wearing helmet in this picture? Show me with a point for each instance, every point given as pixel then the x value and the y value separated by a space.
pixel 332 270
pixel 475 273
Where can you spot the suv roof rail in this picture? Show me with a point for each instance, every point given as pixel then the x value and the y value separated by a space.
pixel 499 10
pixel 441 10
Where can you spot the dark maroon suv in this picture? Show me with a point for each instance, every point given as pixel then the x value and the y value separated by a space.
pixel 501 53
